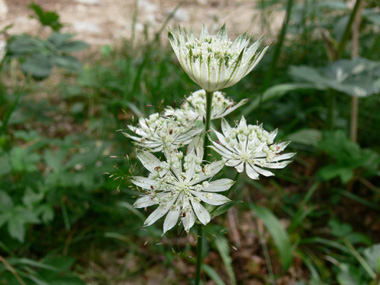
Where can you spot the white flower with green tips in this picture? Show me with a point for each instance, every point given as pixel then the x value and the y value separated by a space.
pixel 179 185
pixel 194 107
pixel 252 148
pixel 156 133
pixel 214 62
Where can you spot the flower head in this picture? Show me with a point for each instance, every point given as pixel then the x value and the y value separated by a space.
pixel 157 132
pixel 252 148
pixel 215 62
pixel 179 185
pixel 194 106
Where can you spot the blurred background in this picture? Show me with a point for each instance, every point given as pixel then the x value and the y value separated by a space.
pixel 74 73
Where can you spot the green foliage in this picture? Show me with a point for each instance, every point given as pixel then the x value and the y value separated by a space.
pixel 46 18
pixel 348 157
pixel 38 56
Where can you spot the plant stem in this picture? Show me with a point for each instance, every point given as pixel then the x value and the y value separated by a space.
pixel 346 33
pixel 331 109
pixel 355 53
pixel 205 154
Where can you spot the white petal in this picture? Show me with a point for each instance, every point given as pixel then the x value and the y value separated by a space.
pixel 231 109
pixel 144 182
pixel 202 214
pixel 189 220
pixel 277 165
pixel 215 167
pixel 251 172
pixel 240 167
pixel 233 162
pixel 262 171
pixel 148 160
pixel 211 198
pixel 283 156
pixel 171 219
pixel 145 201
pixel 226 128
pixel 218 185
pixel 160 211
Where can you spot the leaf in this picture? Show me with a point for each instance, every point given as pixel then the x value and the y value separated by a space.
pixel 67 62
pixel 46 18
pixel 309 137
pixel 38 66
pixel 16 229
pixel 278 234
pixel 372 256
pixel 212 274
pixel 222 246
pixel 274 92
pixel 339 229
pixel 6 202
pixel 348 275
pixel 58 39
pixel 73 46
pixel 223 208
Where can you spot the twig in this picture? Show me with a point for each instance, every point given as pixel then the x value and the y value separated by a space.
pixel 12 270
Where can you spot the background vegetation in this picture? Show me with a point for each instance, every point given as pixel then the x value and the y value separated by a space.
pixel 65 194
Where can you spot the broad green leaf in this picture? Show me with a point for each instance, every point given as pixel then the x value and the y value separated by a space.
pixel 223 249
pixel 339 229
pixel 278 234
pixel 38 66
pixel 70 63
pixel 30 198
pixel 58 39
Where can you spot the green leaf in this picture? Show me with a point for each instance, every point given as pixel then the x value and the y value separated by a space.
pixel 73 46
pixel 38 66
pixel 277 232
pixel 46 18
pixel 224 208
pixel 59 39
pixel 274 92
pixel 372 256
pixel 348 275
pixel 212 274
pixel 223 249
pixel 309 137
pixel 67 62
pixel 16 229
pixel 30 198
pixel 6 202
pixel 339 229
pixel 46 213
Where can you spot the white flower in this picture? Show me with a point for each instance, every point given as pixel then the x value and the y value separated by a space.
pixel 251 148
pixel 178 185
pixel 194 107
pixel 157 132
pixel 215 62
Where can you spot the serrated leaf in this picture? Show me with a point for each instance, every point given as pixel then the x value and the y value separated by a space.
pixel 278 234
pixel 372 256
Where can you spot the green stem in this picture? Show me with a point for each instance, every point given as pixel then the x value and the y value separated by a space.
pixel 233 186
pixel 346 33
pixel 205 155
pixel 331 109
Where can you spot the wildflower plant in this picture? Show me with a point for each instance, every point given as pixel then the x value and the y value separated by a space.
pixel 174 146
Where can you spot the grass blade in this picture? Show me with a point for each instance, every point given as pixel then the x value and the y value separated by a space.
pixel 222 246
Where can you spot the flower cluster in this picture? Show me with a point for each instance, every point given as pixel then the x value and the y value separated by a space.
pixel 178 185
pixel 181 184
pixel 215 62
pixel 157 132
pixel 194 107
pixel 252 148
